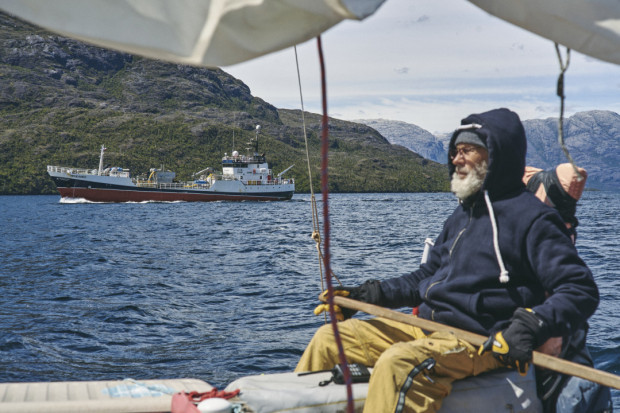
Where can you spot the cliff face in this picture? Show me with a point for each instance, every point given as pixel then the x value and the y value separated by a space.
pixel 592 138
pixel 45 70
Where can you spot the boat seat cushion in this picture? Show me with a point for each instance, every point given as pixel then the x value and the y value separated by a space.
pixel 498 391
pixel 128 396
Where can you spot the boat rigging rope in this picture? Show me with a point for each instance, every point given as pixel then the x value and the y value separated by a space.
pixel 560 93
pixel 316 234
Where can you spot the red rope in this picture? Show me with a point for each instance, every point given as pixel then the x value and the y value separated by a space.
pixel 326 255
pixel 198 397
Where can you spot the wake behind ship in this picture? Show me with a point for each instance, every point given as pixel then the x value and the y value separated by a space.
pixel 243 178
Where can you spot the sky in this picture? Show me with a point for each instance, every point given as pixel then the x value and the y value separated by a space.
pixel 431 63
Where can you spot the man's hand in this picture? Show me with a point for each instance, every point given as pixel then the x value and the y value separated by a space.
pixel 514 345
pixel 341 313
pixel 369 292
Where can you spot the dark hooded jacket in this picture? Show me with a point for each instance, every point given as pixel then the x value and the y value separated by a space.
pixel 460 283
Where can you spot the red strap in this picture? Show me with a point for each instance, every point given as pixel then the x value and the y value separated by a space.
pixel 198 397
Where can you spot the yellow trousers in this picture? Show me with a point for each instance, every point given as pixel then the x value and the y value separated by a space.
pixel 394 350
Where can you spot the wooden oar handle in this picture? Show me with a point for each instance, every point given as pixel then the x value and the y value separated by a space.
pixel 539 359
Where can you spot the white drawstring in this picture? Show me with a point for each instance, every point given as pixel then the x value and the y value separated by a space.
pixel 503 275
pixel 469 126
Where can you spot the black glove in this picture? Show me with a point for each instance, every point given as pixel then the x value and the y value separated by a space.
pixel 369 292
pixel 514 345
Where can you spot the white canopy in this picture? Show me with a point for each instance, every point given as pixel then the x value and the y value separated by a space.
pixel 591 27
pixel 198 32
pixel 224 32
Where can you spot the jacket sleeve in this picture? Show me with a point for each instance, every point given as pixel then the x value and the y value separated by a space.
pixel 573 294
pixel 403 291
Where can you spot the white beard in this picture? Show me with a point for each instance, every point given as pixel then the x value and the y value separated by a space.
pixel 463 188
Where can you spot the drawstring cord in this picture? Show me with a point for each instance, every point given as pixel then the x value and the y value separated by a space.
pixel 503 275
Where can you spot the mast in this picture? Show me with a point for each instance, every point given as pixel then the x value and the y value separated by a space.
pixel 103 148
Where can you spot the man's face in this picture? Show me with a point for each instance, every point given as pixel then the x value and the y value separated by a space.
pixel 466 157
pixel 471 164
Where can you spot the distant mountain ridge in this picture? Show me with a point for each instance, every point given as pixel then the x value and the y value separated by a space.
pixel 592 139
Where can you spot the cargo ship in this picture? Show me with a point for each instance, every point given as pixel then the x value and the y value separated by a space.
pixel 243 178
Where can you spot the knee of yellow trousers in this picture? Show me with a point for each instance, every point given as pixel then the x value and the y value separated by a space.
pixel 394 373
pixel 321 353
pixel 323 335
pixel 398 358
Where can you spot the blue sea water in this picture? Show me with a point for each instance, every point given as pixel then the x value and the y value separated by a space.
pixel 217 291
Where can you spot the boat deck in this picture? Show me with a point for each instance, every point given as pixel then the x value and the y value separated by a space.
pixel 501 391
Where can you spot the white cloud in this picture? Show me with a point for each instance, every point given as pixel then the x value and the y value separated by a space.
pixel 431 63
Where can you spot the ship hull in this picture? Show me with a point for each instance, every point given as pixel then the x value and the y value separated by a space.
pixel 101 192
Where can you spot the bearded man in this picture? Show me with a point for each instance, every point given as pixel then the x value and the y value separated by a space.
pixel 470 159
pixel 503 266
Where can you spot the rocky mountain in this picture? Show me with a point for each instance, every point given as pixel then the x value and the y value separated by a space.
pixel 61 99
pixel 410 136
pixel 592 139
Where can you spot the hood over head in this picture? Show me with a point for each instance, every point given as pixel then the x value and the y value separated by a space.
pixel 503 133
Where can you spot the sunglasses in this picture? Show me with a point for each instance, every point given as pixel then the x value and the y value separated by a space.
pixel 464 150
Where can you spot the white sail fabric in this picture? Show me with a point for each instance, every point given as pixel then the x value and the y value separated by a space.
pixel 198 32
pixel 224 32
pixel 591 27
